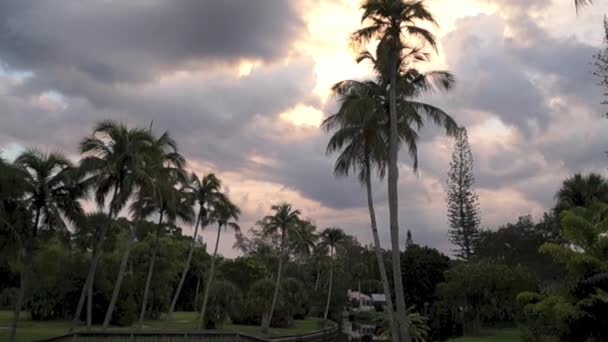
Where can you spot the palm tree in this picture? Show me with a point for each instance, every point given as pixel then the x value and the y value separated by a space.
pixel 51 192
pixel 581 191
pixel 331 237
pixel 394 23
pixel 159 159
pixel 283 222
pixel 223 213
pixel 582 3
pixel 302 241
pixel 206 192
pixel 167 200
pixel 112 158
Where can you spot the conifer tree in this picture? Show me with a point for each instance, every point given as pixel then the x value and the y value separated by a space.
pixel 462 201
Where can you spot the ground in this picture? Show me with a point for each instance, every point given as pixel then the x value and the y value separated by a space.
pixel 32 330
pixel 493 335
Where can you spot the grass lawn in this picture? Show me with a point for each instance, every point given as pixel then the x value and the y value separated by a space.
pixel 32 330
pixel 493 335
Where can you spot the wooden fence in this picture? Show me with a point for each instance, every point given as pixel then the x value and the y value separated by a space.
pixel 329 334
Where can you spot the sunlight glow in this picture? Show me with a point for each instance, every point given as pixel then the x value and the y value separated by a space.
pixel 303 115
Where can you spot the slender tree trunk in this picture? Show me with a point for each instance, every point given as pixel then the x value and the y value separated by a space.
pixel 201 321
pixel 121 274
pixel 318 278
pixel 90 306
pixel 25 277
pixel 93 268
pixel 198 287
pixel 393 201
pixel 266 322
pixel 24 283
pixel 185 271
pixel 379 258
pixel 331 280
pixel 144 301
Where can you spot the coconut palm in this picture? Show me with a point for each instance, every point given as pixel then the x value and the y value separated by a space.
pixel 284 220
pixel 223 213
pixel 395 24
pixel 167 200
pixel 581 191
pixel 113 156
pixel 302 241
pixel 331 237
pixel 206 192
pixel 51 191
pixel 159 159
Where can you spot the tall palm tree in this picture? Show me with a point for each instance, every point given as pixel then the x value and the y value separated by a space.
pixel 206 192
pixel 52 194
pixel 581 191
pixel 223 213
pixel 395 24
pixel 113 156
pixel 302 241
pixel 284 220
pixel 167 200
pixel 156 158
pixel 331 237
pixel 361 136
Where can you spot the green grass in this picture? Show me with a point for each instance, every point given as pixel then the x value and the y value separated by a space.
pixel 492 335
pixel 33 330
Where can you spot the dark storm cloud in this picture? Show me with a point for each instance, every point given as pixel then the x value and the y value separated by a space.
pixel 131 41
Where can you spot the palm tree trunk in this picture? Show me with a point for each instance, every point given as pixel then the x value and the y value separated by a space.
pixel 380 259
pixel 331 280
pixel 144 301
pixel 121 274
pixel 209 279
pixel 393 202
pixel 185 271
pixel 318 278
pixel 93 268
pixel 90 306
pixel 24 283
pixel 25 277
pixel 198 286
pixel 266 322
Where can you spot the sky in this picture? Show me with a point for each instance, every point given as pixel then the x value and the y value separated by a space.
pixel 244 85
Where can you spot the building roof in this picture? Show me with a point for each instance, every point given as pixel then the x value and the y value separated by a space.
pixel 378 297
pixel 356 295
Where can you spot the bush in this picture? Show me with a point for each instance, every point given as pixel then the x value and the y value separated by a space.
pixel 225 301
pixel 8 298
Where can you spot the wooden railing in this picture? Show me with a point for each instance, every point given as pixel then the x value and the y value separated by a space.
pixel 329 334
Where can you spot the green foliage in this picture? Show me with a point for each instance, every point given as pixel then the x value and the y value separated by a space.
pixel 576 310
pixel 225 301
pixel 486 290
pixel 244 271
pixel 462 201
pixel 423 269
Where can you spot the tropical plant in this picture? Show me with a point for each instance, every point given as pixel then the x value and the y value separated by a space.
pixel 51 191
pixel 225 301
pixel 284 221
pixel 575 312
pixel 361 138
pixel 224 213
pixel 113 156
pixel 302 241
pixel 165 198
pixel 206 192
pixel 331 237
pixel 395 24
pixel 581 191
pixel 160 159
